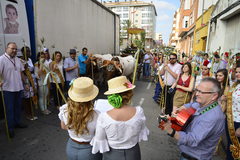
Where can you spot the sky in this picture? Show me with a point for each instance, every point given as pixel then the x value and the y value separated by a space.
pixel 165 11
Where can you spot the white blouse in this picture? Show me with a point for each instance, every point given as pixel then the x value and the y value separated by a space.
pixel 63 116
pixel 119 134
pixel 236 104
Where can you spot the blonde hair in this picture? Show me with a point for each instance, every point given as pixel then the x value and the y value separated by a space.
pixel 126 97
pixel 79 114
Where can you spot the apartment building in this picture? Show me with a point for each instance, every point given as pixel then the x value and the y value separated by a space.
pixel 173 38
pixel 140 14
pixel 188 15
pixel 224 30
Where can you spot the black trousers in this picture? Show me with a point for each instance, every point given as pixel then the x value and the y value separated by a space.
pixel 167 100
pixel 58 100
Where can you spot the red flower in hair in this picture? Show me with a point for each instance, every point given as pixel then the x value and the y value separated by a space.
pixel 128 84
pixel 226 54
pixel 206 62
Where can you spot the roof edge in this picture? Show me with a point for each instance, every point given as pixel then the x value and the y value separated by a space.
pixel 104 7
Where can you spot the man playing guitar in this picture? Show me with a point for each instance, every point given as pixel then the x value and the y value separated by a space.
pixel 198 140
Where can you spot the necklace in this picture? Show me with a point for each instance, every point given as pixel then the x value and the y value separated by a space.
pixel 209 107
pixel 13 62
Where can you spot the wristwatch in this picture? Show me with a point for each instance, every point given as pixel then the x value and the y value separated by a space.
pixel 173 133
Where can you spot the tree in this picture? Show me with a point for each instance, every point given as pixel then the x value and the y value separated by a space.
pixel 127 24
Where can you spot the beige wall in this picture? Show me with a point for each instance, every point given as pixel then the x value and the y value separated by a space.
pixel 80 23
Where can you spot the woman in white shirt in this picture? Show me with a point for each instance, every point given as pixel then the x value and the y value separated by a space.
pixel 120 129
pixel 40 73
pixel 233 118
pixel 79 119
pixel 56 66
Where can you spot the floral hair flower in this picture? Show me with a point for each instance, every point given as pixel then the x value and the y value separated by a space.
pixel 128 84
pixel 115 100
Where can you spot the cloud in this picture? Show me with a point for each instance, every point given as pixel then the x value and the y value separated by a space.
pixel 163 17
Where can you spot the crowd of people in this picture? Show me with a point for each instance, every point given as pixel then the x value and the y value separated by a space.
pixel 210 86
pixel 44 83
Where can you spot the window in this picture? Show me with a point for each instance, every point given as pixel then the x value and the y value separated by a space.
pixel 146 8
pixel 125 15
pixel 118 9
pixel 125 8
pixel 146 15
pixel 136 21
pixel 144 21
pixel 185 22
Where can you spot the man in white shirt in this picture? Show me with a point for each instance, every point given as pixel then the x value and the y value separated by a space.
pixel 170 71
pixel 11 72
pixel 146 61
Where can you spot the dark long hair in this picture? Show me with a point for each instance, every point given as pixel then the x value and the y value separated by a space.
pixel 225 74
pixel 189 66
pixel 225 80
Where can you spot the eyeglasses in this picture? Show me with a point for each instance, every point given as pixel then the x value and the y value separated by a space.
pixel 13 48
pixel 202 92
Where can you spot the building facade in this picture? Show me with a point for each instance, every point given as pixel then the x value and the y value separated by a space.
pixel 140 15
pixel 173 38
pixel 188 15
pixel 205 9
pixel 224 29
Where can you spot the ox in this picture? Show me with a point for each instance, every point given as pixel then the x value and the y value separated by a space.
pixel 95 70
pixel 119 66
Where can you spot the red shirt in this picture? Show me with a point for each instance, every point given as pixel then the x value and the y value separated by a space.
pixel 184 84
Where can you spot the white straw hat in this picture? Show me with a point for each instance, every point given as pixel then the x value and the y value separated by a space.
pixel 83 90
pixel 118 85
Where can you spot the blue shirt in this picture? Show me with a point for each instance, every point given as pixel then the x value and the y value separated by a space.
pixel 201 136
pixel 82 65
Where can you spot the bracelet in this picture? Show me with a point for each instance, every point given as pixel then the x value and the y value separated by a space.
pixel 173 133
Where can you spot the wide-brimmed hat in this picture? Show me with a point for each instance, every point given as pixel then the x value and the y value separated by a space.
pixel 83 90
pixel 118 85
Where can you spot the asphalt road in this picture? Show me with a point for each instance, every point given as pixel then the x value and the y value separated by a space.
pixel 45 140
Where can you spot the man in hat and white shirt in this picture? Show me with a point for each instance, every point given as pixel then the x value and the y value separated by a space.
pixel 71 67
pixel 11 73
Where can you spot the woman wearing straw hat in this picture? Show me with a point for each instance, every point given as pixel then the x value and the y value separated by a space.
pixel 120 129
pixel 79 118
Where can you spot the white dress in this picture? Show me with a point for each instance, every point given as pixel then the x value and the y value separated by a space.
pixel 119 134
pixel 236 104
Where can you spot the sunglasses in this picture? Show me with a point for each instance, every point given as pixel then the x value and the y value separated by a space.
pixel 202 92
pixel 172 58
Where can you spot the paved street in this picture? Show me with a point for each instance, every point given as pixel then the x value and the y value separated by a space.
pixel 45 140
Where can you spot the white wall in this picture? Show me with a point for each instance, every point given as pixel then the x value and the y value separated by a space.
pixel 80 23
pixel 203 5
pixel 226 32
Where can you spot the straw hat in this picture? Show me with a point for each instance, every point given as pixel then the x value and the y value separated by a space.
pixel 118 85
pixel 83 90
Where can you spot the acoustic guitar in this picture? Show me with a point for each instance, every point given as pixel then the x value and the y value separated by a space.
pixel 180 122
